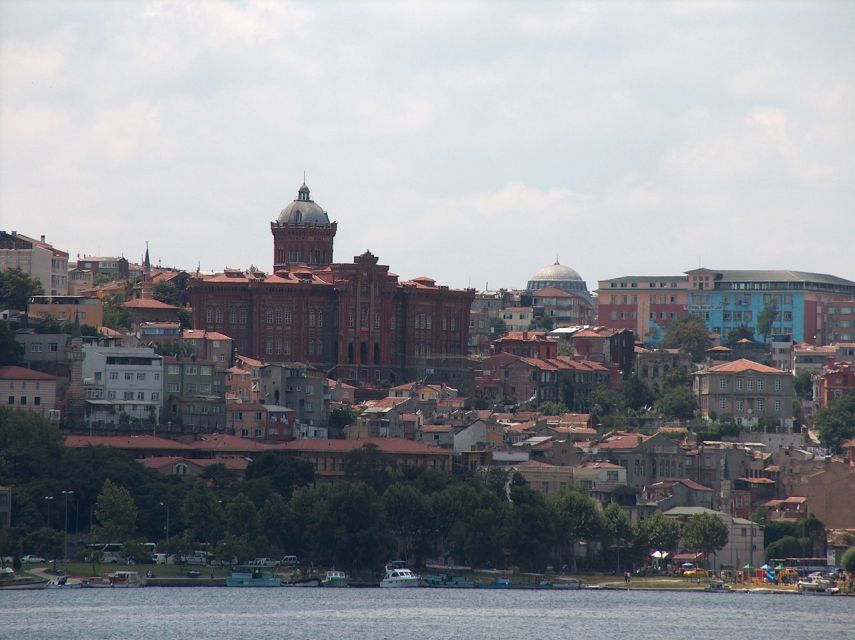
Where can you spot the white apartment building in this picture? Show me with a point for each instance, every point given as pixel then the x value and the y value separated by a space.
pixel 37 259
pixel 122 381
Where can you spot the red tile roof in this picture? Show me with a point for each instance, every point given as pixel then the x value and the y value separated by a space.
pixel 146 303
pixel 743 364
pixel 12 372
pixel 385 445
pixel 125 442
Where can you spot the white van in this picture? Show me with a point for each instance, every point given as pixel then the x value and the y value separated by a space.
pixel 289 561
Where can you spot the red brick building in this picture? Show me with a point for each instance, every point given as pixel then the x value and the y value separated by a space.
pixel 837 379
pixel 354 320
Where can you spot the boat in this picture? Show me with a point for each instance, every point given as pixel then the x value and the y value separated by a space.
pixel 61 582
pixel 498 583
pixel 816 585
pixel 125 580
pixel 449 582
pixel 334 579
pixel 399 577
pixel 253 579
pixel 718 586
pixel 302 582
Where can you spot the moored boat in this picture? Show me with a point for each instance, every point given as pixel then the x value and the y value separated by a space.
pixel 399 577
pixel 253 579
pixel 61 582
pixel 718 586
pixel 125 580
pixel 335 579
pixel 816 585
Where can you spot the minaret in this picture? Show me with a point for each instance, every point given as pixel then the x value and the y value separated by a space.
pixel 74 395
pixel 145 285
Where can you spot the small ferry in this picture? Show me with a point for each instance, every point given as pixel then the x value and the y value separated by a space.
pixel 253 579
pixel 335 579
pixel 61 582
pixel 718 586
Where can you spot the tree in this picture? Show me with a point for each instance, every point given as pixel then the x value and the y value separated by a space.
pixel 202 513
pixel 219 475
pixel 368 465
pixel 408 514
pixel 116 513
pixel 765 319
pixel 742 332
pixel 604 401
pixel 689 334
pixel 166 293
pixel 498 328
pixel 46 542
pixel 618 531
pixel 678 403
pixel 704 532
pixel 636 394
pixel 185 318
pixel 16 289
pixel 576 518
pixel 11 352
pixel 116 316
pixel 340 417
pixel 848 561
pixel 786 547
pixel 803 384
pixel 659 532
pixel 552 408
pixel 836 422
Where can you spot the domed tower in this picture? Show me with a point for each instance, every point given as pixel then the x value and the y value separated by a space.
pixel 303 234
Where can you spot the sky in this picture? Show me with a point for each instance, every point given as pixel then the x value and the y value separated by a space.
pixel 472 142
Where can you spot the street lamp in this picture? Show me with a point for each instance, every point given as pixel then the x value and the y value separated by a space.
pixel 166 506
pixel 49 499
pixel 65 550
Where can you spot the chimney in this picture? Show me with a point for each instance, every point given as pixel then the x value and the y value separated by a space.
pixel 43 237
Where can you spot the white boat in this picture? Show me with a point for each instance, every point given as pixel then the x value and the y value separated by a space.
pixel 62 582
pixel 816 585
pixel 718 586
pixel 334 579
pixel 397 577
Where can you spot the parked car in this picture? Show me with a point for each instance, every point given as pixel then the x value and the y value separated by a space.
pixel 697 573
pixel 30 559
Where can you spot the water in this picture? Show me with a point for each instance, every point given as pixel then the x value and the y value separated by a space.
pixel 417 614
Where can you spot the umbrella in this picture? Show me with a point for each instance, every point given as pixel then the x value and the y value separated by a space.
pixel 779 567
pixel 765 567
pixel 687 565
pixel 748 566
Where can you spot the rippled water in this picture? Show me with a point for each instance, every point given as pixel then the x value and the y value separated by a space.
pixel 417 614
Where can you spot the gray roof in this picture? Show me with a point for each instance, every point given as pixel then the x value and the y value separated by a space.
pixel 750 275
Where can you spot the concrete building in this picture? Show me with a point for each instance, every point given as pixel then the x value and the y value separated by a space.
pixel 299 387
pixel 652 366
pixel 122 385
pixel 38 259
pixel 64 309
pixel 43 349
pixel 748 391
pixel 744 539
pixel 28 390
pixel 646 305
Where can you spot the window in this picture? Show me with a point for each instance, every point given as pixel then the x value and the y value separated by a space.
pixel 173 370
pixel 722 403
pixel 140 395
pixel 129 395
pixel 777 406
pixel 11 399
pixel 739 382
pixel 140 376
pixel 172 387
pixel 778 384
pixel 111 395
pixel 129 376
pixel 192 371
pixel 155 396
pixel 190 387
pixel 722 383
pixel 740 405
pixel 205 370
pixel 36 347
pixel 37 401
pixel 760 404
pixel 761 385
pixel 53 347
pixel 156 377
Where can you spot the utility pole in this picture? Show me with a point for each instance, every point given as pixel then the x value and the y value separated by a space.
pixel 166 506
pixel 48 499
pixel 65 552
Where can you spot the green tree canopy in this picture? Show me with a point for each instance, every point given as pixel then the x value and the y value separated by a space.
pixel 659 532
pixel 340 417
pixel 765 319
pixel 848 562
pixel 604 401
pixel 803 384
pixel 16 289
pixel 678 403
pixel 689 334
pixel 636 394
pixel 116 513
pixel 704 532
pixel 166 293
pixel 11 352
pixel 576 519
pixel 742 332
pixel 116 316
pixel 836 422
